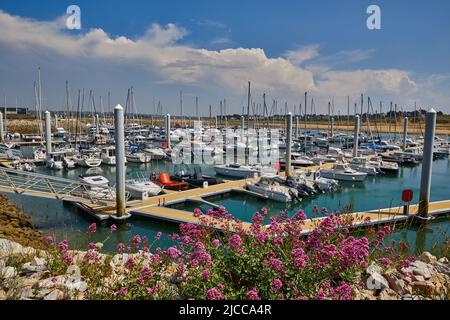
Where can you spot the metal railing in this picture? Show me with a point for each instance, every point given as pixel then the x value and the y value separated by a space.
pixel 36 184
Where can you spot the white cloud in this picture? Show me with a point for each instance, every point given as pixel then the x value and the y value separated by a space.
pixel 166 62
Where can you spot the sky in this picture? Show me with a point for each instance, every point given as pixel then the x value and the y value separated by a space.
pixel 211 49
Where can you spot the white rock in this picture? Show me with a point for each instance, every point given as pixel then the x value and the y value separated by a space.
pixel 54 295
pixel 422 269
pixel 8 272
pixel 373 268
pixel 427 257
pixel 376 282
pixel 442 268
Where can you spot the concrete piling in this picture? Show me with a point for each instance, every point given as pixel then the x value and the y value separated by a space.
pixel 405 131
pixel 120 160
pixel 167 129
pixel 427 163
pixel 288 167
pixel 356 136
pixel 48 133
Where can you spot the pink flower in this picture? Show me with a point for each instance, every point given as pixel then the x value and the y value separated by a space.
pixel 112 228
pixel 385 261
pixel 121 247
pixel 252 295
pixel 300 215
pixel 257 218
pixel 92 246
pixel 122 292
pixel 158 236
pixel 136 241
pixel 63 245
pixel 173 252
pixel 276 264
pixel 48 240
pixel 235 242
pixel 205 274
pixel 214 294
pixel 92 228
pixel 215 243
pixel 264 211
pixel 261 236
pixel 276 285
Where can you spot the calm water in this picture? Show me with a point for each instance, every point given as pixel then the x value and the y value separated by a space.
pixel 64 221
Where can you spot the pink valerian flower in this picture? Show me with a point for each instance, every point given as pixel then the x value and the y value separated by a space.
pixel 261 236
pixel 205 274
pixel 48 240
pixel 121 247
pixel 92 246
pixel 302 298
pixel 91 256
pixel 173 252
pixel 92 228
pixel 130 263
pixel 214 294
pixel 257 218
pixel 252 295
pixel 157 236
pixel 276 285
pixel 146 273
pixel 264 211
pixel 324 211
pixel 276 264
pixel 67 258
pixel 278 241
pixel 320 295
pixel 353 252
pixel 122 292
pixel 235 242
pixel 215 243
pixel 197 212
pixel 63 245
pixel 112 228
pixel 385 261
pixel 136 241
pixel 299 215
pixel 342 292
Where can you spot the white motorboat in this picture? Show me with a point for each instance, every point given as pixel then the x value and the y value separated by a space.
pixel 385 166
pixel 343 172
pixel 108 155
pixel 362 164
pixel 69 163
pixel 55 160
pixel 298 160
pixel 139 157
pixel 156 153
pixel 321 183
pixel 60 132
pixel 98 187
pixel 87 160
pixel 272 192
pixel 142 189
pixel 243 171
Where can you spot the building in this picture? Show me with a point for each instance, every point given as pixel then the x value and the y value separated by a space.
pixel 15 110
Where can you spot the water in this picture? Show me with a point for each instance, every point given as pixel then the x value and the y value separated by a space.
pixel 65 221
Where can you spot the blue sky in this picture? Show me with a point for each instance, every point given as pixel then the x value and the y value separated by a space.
pixel 408 57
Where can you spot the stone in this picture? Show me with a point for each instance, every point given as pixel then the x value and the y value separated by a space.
pixel 398 285
pixel 388 294
pixel 26 293
pixel 2 294
pixel 373 268
pixel 8 272
pixel 443 260
pixel 55 295
pixel 51 282
pixel 422 269
pixel 39 261
pixel 29 267
pixel 376 282
pixel 416 278
pixel 442 268
pixel 423 286
pixel 78 286
pixel 8 248
pixel 427 257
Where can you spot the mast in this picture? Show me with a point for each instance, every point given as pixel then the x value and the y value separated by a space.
pixel 248 105
pixel 181 108
pixel 196 108
pixel 306 111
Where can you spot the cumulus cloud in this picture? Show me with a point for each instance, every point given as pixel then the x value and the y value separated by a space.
pixel 161 55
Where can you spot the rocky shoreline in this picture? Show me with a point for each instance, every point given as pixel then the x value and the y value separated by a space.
pixel 25 274
pixel 17 226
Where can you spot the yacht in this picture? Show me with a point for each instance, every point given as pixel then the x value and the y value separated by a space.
pixel 298 160
pixel 155 153
pixel 271 191
pixel 342 171
pixel 243 171
pixel 140 189
pixel 385 166
pixel 60 132
pixel 97 186
pixel 55 160
pixel 139 157
pixel 87 160
pixel 362 164
pixel 108 155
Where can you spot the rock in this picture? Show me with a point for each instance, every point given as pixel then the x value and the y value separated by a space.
pixel 8 272
pixel 51 282
pixel 424 286
pixel 2 295
pixel 422 269
pixel 417 278
pixel 442 268
pixel 388 294
pixel 55 295
pixel 39 261
pixel 396 284
pixel 373 268
pixel 443 260
pixel 427 257
pixel 29 267
pixel 78 286
pixel 376 282
pixel 26 293
pixel 8 248
pixel 364 295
